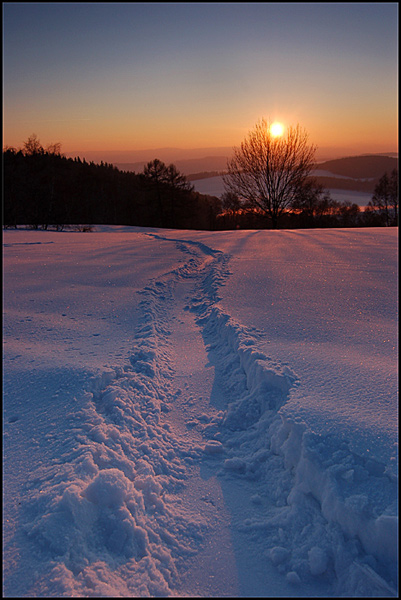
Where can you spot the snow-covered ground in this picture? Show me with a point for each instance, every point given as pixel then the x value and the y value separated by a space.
pixel 200 414
pixel 215 187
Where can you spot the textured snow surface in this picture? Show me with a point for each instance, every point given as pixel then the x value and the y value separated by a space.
pixel 200 414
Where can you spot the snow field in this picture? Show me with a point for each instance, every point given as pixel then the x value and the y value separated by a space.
pixel 123 510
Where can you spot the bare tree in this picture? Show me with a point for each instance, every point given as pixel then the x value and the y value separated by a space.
pixel 267 171
pixel 54 148
pixel 385 198
pixel 33 145
pixel 394 194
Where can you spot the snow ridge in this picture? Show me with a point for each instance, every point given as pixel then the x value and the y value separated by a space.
pixel 358 542
pixel 353 539
pixel 108 519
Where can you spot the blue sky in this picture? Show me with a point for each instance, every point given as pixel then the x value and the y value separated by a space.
pixel 128 76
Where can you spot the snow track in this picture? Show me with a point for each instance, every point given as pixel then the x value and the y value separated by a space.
pixel 182 469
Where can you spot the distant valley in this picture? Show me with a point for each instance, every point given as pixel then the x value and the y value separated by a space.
pixel 354 173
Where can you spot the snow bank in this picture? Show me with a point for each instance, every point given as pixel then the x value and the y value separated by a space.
pixel 339 510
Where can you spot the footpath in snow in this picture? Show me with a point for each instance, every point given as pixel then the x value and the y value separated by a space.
pixel 177 473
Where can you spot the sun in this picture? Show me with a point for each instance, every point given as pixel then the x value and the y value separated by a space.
pixel 276 129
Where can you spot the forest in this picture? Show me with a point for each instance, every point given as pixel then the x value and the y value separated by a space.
pixel 44 189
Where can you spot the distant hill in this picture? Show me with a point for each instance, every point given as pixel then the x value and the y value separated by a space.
pixel 353 173
pixel 204 175
pixel 356 173
pixel 167 155
pixel 360 167
pixel 185 166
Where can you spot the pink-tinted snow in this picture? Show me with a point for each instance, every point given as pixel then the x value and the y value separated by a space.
pixel 200 414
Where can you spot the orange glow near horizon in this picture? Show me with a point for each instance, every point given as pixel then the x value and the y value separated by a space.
pixel 189 76
pixel 91 137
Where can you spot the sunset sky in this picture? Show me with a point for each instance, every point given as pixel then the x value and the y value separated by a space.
pixel 133 76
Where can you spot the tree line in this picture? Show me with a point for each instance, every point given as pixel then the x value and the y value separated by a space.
pixel 313 207
pixel 267 185
pixel 42 189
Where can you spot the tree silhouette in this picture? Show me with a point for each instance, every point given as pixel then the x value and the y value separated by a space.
pixel 310 202
pixel 394 194
pixel 33 145
pixel 267 171
pixel 170 186
pixel 385 198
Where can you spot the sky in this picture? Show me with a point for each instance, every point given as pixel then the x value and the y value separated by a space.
pixel 117 77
